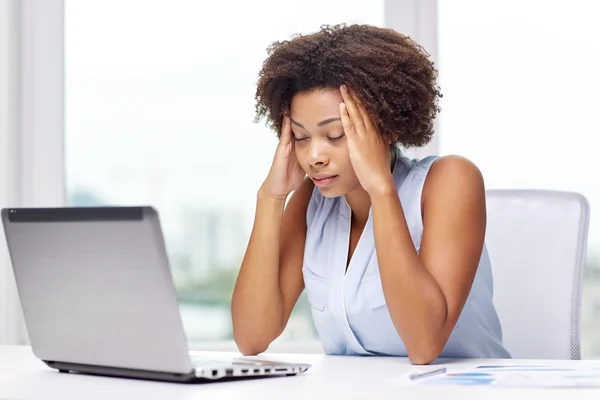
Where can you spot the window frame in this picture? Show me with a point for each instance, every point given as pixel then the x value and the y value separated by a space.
pixel 32 130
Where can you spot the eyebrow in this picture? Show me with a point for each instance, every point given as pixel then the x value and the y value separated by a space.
pixel 320 124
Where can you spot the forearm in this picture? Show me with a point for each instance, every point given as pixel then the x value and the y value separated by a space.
pixel 415 301
pixel 256 307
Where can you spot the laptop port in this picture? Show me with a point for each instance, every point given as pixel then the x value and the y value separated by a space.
pixel 244 371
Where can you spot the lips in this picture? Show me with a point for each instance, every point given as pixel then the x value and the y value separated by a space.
pixel 322 180
pixel 322 177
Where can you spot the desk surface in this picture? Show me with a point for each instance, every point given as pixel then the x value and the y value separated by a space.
pixel 22 376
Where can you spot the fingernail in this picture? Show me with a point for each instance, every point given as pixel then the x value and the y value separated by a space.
pixel 344 87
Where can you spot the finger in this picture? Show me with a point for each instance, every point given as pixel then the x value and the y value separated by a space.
pixel 285 138
pixel 365 117
pixel 352 109
pixel 368 123
pixel 349 128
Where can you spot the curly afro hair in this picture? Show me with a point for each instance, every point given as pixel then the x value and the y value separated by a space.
pixel 390 74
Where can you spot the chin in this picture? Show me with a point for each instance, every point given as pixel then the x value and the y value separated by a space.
pixel 331 192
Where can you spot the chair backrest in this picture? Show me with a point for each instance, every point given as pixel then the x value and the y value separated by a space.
pixel 537 241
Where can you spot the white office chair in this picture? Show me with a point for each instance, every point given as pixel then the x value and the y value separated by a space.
pixel 537 242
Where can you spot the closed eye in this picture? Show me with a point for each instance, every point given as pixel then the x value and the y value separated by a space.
pixel 337 137
pixel 301 139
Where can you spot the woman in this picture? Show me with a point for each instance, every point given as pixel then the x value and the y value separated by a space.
pixel 391 251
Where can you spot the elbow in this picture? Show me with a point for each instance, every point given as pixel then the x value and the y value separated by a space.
pixel 248 348
pixel 428 343
pixel 252 340
pixel 425 352
pixel 251 350
pixel 250 345
pixel 422 358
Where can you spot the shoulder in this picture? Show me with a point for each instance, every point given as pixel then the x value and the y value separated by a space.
pixel 453 179
pixel 453 169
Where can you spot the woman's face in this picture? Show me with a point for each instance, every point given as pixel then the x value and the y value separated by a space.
pixel 320 143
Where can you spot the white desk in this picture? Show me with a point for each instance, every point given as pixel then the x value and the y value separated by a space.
pixel 24 377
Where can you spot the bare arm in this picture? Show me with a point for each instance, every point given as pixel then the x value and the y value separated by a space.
pixel 426 291
pixel 270 278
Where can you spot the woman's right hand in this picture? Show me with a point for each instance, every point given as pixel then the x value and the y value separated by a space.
pixel 286 174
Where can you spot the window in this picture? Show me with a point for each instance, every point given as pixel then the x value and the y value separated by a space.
pixel 521 82
pixel 159 111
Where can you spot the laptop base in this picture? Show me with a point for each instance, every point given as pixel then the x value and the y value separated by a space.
pixel 115 372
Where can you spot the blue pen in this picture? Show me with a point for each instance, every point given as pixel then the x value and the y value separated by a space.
pixel 425 374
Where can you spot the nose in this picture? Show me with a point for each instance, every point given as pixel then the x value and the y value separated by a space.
pixel 317 154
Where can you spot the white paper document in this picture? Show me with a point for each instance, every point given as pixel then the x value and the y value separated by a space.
pixel 545 376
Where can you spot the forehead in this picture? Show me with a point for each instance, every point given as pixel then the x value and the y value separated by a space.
pixel 317 105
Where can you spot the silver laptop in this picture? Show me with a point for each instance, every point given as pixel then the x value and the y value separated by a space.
pixel 98 298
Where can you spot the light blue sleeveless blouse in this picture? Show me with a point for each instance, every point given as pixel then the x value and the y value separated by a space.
pixel 348 307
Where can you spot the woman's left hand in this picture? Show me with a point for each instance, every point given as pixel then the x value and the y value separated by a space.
pixel 369 153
